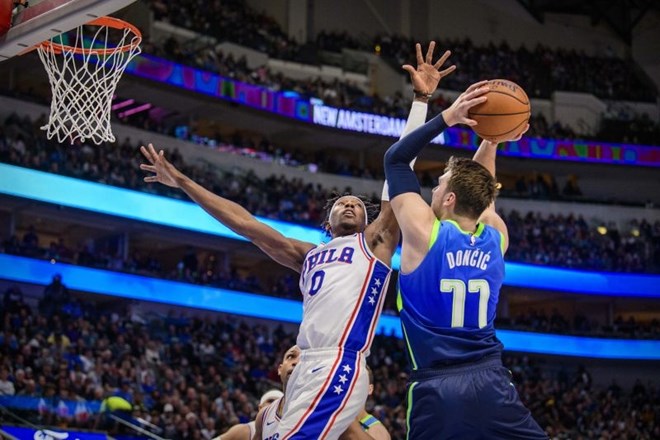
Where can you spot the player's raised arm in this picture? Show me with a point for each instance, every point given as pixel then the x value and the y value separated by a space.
pixel 414 215
pixel 286 251
pixel 258 423
pixel 236 432
pixel 355 432
pixel 486 155
pixel 425 79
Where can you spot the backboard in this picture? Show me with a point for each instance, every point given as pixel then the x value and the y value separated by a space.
pixel 44 19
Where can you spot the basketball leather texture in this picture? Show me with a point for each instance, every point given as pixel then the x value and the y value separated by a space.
pixel 505 114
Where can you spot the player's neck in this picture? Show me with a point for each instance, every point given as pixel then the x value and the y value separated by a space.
pixel 345 232
pixel 466 224
pixel 280 407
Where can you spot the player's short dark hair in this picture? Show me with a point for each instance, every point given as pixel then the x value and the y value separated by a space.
pixel 475 187
pixel 285 351
pixel 373 209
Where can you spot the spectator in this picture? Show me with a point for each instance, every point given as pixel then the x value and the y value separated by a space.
pixel 6 385
pixel 571 189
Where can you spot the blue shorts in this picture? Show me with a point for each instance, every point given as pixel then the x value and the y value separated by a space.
pixel 466 402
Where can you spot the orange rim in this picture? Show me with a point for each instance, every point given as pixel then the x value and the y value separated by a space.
pixel 111 22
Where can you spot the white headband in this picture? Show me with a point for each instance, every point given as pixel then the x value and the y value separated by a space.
pixel 270 395
pixel 364 208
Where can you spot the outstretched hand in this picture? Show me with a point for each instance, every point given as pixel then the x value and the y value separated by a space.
pixel 427 76
pixel 457 113
pixel 165 172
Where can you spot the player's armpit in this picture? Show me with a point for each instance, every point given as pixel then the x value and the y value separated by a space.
pixel 383 234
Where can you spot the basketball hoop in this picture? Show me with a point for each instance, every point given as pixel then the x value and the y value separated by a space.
pixel 84 75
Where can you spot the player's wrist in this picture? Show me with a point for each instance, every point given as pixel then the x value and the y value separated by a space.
pixel 181 179
pixel 449 117
pixel 422 96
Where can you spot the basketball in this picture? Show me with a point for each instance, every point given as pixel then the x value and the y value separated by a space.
pixel 505 113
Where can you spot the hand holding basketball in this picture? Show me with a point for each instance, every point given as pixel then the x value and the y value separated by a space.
pixel 505 114
pixel 458 112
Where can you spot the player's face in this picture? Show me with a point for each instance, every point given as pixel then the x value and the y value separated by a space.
pixel 289 362
pixel 441 199
pixel 347 216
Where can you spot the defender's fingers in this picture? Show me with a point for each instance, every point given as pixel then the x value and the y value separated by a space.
pixel 447 71
pixel 145 153
pixel 429 53
pixel 418 51
pixel 151 179
pixel 148 153
pixel 152 152
pixel 144 166
pixel 443 59
pixel 408 68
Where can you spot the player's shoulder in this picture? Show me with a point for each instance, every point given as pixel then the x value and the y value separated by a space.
pixel 270 411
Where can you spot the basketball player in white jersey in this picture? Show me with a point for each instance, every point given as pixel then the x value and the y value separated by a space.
pixel 245 431
pixel 343 283
pixel 268 419
pixel 267 422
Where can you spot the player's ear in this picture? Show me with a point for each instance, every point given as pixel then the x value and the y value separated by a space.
pixel 450 199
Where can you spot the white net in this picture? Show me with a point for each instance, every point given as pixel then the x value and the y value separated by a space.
pixel 84 68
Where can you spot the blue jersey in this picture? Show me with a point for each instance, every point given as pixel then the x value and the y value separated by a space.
pixel 448 303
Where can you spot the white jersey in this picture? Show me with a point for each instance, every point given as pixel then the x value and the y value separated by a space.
pixel 343 286
pixel 270 421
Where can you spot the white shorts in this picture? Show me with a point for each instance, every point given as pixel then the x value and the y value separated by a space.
pixel 325 393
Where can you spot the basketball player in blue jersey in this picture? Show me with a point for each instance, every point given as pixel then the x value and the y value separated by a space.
pixel 343 283
pixel 452 268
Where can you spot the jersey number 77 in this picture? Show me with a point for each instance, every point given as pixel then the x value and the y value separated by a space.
pixel 458 289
